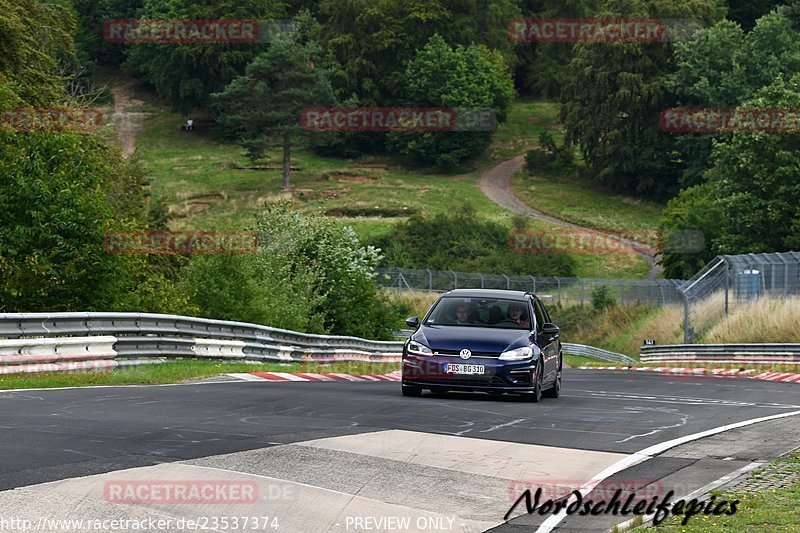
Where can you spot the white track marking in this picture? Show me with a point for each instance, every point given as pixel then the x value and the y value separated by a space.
pixel 647 454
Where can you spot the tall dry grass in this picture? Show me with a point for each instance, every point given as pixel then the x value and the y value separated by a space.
pixel 420 301
pixel 765 320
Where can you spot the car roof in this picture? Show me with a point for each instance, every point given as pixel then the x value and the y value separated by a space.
pixel 487 293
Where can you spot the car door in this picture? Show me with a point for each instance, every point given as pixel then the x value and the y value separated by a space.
pixel 548 343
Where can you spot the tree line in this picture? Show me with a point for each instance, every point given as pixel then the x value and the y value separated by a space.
pixel 61 192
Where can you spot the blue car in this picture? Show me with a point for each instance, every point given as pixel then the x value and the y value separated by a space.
pixel 493 341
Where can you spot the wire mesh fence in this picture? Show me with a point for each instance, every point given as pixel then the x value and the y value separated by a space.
pixel 566 291
pixel 730 281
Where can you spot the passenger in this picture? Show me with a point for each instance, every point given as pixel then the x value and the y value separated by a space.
pixel 516 313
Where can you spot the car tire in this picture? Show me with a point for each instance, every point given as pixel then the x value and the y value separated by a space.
pixel 555 390
pixel 536 395
pixel 412 391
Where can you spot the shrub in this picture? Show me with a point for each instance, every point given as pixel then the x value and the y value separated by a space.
pixel 309 275
pixel 462 241
pixel 601 298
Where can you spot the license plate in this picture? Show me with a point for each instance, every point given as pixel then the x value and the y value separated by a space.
pixel 453 368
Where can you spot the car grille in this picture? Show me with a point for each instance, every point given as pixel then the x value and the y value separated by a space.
pixel 474 354
pixel 484 381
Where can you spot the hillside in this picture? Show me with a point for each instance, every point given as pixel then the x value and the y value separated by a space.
pixel 212 185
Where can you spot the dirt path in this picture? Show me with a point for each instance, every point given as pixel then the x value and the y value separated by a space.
pixel 128 123
pixel 495 183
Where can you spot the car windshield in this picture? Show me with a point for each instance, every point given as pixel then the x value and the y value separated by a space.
pixel 482 312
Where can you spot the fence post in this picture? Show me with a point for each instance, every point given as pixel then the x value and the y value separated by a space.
pixel 558 280
pixel 481 275
pixel 430 281
pixel 579 279
pixel 621 293
pixel 508 282
pixel 455 280
pixel 533 280
pixel 686 319
pixel 727 287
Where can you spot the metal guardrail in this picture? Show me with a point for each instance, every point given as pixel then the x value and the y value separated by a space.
pixel 596 353
pixel 38 342
pixel 722 353
pixel 147 337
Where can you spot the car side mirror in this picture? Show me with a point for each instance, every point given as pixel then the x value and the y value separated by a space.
pixel 550 329
pixel 412 321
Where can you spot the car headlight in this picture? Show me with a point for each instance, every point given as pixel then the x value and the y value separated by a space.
pixel 518 354
pixel 416 348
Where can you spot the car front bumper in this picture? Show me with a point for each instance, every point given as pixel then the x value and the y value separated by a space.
pixel 428 372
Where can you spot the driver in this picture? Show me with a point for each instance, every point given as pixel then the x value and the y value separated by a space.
pixel 463 315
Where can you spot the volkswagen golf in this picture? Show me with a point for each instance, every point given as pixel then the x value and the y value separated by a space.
pixel 493 341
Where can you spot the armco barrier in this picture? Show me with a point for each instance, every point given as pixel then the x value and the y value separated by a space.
pixel 141 338
pixel 56 354
pixel 596 353
pixel 722 353
pixel 37 342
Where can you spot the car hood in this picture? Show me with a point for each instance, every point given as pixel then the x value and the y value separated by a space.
pixel 476 339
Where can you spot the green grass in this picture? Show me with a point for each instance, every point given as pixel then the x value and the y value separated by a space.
pixel 206 187
pixel 179 372
pixel 773 510
pixel 575 361
pixel 199 178
pixel 574 200
pixel 520 132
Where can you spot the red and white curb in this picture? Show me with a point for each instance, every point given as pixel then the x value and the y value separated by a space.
pixel 309 376
pixel 749 374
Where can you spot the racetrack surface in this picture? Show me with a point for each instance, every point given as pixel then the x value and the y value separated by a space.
pixel 325 454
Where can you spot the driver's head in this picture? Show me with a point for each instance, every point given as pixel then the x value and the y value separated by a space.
pixel 515 311
pixel 462 313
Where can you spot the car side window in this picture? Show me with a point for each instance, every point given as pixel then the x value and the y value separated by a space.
pixel 544 312
pixel 540 319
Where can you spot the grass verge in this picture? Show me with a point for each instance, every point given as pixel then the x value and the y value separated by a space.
pixel 769 510
pixel 179 372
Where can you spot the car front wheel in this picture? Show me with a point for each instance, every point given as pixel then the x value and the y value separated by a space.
pixel 536 395
pixel 555 390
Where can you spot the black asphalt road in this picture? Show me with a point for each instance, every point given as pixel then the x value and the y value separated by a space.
pixel 55 434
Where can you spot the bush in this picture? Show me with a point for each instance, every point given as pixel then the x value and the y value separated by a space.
pixel 550 157
pixel 461 241
pixel 309 275
pixel 601 298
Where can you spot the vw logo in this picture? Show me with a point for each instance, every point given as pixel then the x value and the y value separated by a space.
pixel 465 354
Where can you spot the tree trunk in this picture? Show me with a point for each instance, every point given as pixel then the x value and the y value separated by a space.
pixel 287 159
